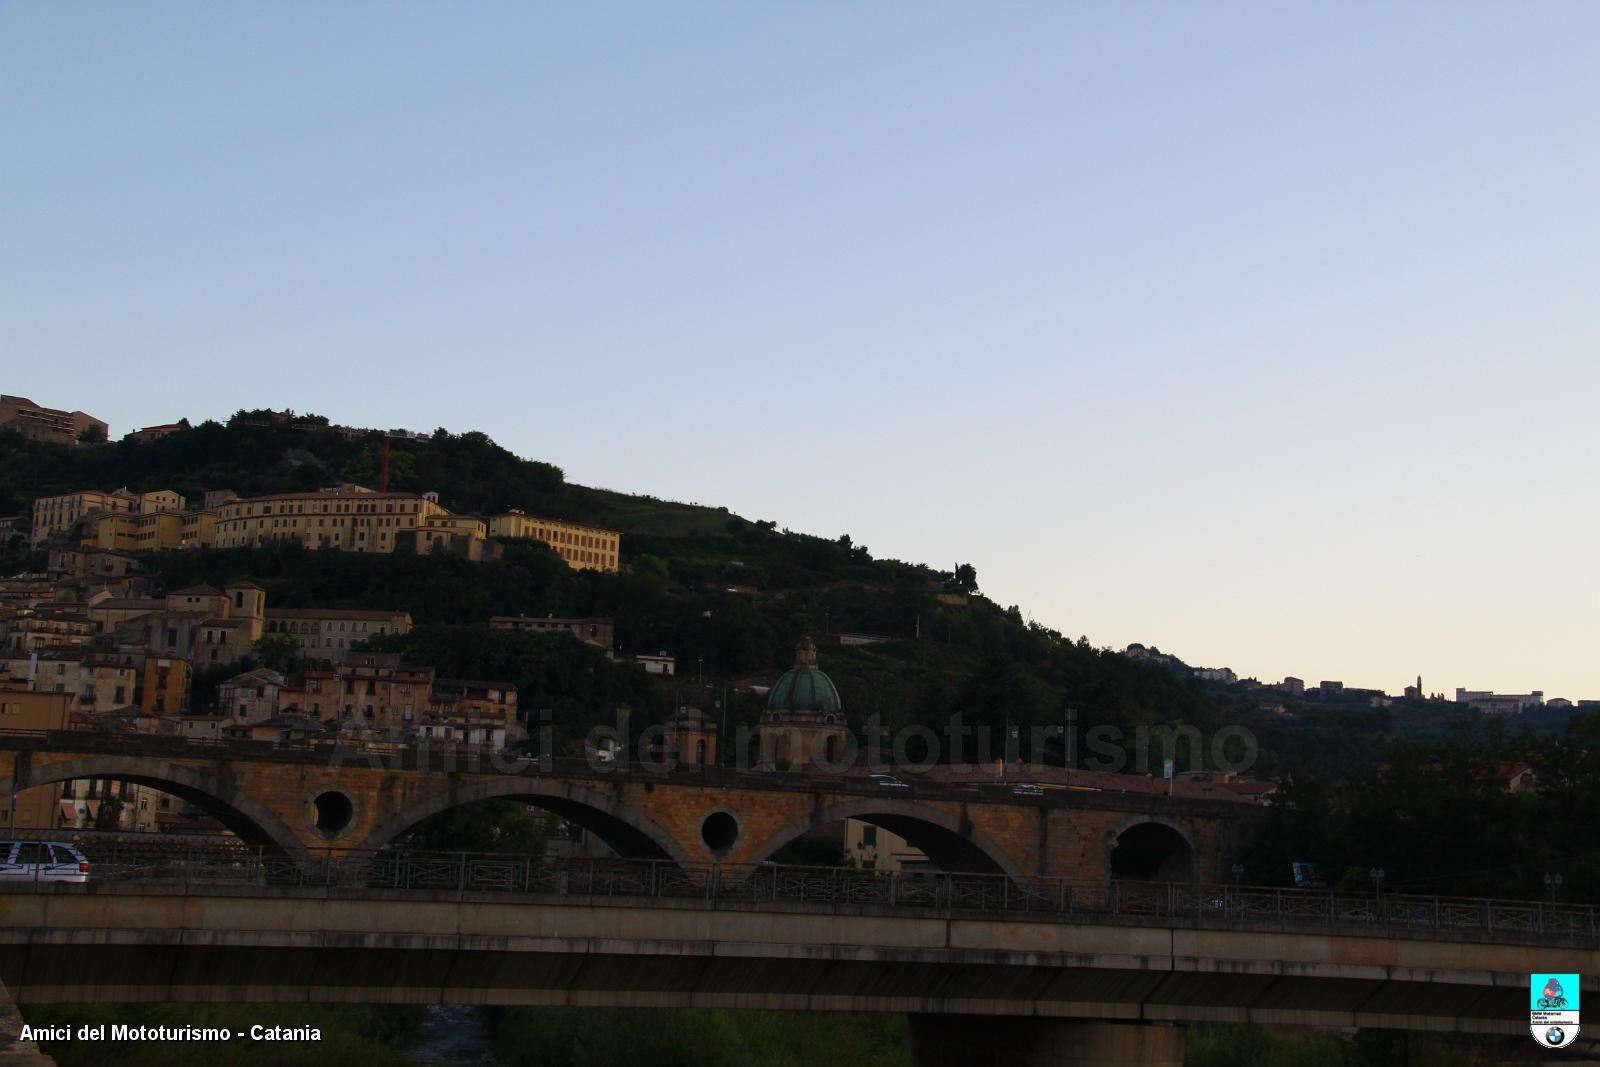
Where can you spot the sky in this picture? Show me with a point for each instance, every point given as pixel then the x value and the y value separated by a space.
pixel 1262 333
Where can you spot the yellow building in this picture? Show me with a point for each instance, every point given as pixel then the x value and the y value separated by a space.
pixel 347 517
pixel 155 531
pixel 583 547
pixel 37 808
pixel 164 687
pixel 55 514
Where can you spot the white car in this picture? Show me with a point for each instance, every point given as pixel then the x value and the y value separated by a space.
pixel 42 861
pixel 889 781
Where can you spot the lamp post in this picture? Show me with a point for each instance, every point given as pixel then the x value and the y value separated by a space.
pixel 1238 873
pixel 1377 874
pixel 1552 882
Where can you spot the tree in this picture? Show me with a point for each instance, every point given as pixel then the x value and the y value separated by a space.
pixel 967 578
pixel 499 825
pixel 109 817
pixel 278 652
pixel 92 434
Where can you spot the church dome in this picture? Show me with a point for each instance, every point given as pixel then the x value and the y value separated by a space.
pixel 804 688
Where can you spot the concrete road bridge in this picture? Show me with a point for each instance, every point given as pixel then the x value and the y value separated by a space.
pixel 989 967
pixel 297 800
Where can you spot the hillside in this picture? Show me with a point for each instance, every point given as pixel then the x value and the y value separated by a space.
pixel 727 595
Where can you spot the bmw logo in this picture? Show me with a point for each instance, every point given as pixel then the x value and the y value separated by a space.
pixel 1555 1036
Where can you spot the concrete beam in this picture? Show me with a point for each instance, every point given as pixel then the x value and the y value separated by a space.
pixel 269 944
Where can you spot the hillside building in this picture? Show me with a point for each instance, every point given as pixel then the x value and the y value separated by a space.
pixel 60 513
pixel 663 663
pixel 348 517
pixel 584 547
pixel 52 425
pixel 1499 703
pixel 352 518
pixel 598 631
pixel 328 633
pixel 155 531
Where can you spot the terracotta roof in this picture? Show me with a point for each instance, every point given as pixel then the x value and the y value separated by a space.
pixel 558 522
pixel 317 494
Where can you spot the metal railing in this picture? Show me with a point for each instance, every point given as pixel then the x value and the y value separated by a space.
pixel 197 866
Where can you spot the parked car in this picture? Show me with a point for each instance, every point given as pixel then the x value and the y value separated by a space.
pixel 42 861
pixel 1027 789
pixel 889 781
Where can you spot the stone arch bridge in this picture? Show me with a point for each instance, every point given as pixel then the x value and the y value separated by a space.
pixel 340 800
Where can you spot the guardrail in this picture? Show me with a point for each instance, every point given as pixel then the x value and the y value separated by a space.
pixel 196 869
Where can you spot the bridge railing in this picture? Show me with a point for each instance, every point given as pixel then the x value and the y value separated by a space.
pixel 196 865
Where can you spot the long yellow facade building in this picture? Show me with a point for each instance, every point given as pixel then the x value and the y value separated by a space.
pixel 583 547
pixel 348 517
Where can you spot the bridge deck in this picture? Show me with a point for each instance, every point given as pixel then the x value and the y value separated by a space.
pixel 130 942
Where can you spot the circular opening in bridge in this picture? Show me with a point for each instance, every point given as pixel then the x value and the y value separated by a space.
pixel 1151 852
pixel 719 831
pixel 331 812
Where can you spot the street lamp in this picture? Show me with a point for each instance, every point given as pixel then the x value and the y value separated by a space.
pixel 1377 874
pixel 1552 882
pixel 1238 873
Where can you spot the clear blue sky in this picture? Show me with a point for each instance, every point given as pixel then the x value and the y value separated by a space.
pixel 1264 333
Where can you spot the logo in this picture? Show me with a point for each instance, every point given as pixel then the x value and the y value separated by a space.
pixel 1553 1008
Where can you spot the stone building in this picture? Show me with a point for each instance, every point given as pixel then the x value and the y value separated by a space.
pixel 328 633
pixel 53 425
pixel 598 631
pixel 692 735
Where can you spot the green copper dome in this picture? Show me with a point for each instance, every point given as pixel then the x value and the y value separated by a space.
pixel 803 687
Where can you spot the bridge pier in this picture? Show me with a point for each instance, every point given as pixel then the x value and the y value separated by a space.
pixel 1011 1041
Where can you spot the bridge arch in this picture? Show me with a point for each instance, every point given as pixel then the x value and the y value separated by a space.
pixel 1152 849
pixel 629 832
pixel 205 787
pixel 949 841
